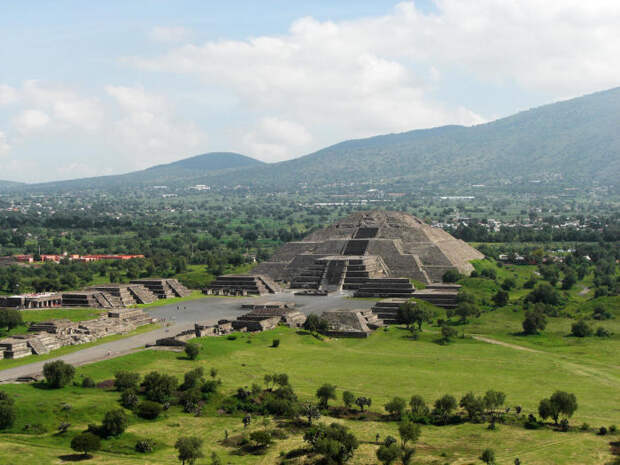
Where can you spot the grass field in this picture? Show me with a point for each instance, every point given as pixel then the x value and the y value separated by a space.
pixel 384 365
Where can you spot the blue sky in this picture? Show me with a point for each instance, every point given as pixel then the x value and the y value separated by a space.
pixel 94 88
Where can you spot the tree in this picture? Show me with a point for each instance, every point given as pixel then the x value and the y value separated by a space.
pixel 148 409
pixel 447 333
pixel 334 442
pixel 488 456
pixel 409 432
pixel 10 318
pixel 311 412
pixel 190 449
pixel 85 443
pixel 193 379
pixel 58 373
pixel 493 400
pixel 114 422
pixel 418 407
pixel 570 279
pixel 501 298
pixel 388 454
pixel 581 329
pixel 363 401
pixel 406 313
pixel 129 398
pixel 126 380
pixel 315 323
pixel 451 276
pixel 192 350
pixel 262 439
pixel 348 398
pixel 443 407
pixel 325 393
pixel 465 310
pixel 559 404
pixel 534 322
pixel 544 293
pixel 7 414
pixel 474 406
pixel 396 407
pixel 508 284
pixel 159 387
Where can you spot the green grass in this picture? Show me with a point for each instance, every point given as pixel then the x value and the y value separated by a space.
pixel 384 365
pixel 11 363
pixel 162 302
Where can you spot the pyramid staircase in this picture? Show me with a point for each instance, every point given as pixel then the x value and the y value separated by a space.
pixel 356 247
pixel 387 310
pixel 235 284
pixel 310 277
pixel 386 287
pixel 179 289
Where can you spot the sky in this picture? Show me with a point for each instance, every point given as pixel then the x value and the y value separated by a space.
pixel 98 88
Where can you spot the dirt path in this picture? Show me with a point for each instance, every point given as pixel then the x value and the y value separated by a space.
pixel 584 291
pixel 505 344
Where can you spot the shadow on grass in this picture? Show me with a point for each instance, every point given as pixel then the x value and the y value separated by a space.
pixel 75 457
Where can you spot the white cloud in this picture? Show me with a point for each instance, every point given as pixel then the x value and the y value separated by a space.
pixel 4 145
pixel 169 34
pixel 65 107
pixel 148 132
pixel 272 139
pixel 31 120
pixel 7 94
pixel 382 74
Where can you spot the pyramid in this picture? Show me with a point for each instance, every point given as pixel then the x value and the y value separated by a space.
pixel 366 245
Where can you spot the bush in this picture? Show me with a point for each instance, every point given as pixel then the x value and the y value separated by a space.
pixel 114 423
pixel 275 343
pixel 10 318
pixel 316 324
pixel 451 276
pixel 192 350
pixel 581 329
pixel 534 322
pixel 602 431
pixel 88 382
pixel 148 410
pixel 129 398
pixel 85 443
pixel 58 373
pixel 489 273
pixel 145 446
pixel 159 387
pixel 602 332
pixel 7 414
pixel 126 380
pixel 193 379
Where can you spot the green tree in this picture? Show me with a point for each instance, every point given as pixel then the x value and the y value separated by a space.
pixel 581 329
pixel 325 393
pixel 534 322
pixel 561 403
pixel 418 407
pixel 388 454
pixel 474 406
pixel 447 333
pixel 58 373
pixel 85 443
pixel 10 318
pixel 262 439
pixel 488 456
pixel 7 414
pixel 159 387
pixel 396 407
pixel 348 398
pixel 315 323
pixel 189 448
pixel 501 298
pixel 409 432
pixel 443 407
pixel 124 380
pixel 311 412
pixel 114 422
pixel 148 409
pixel 192 350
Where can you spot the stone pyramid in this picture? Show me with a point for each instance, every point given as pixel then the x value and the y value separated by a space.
pixel 391 244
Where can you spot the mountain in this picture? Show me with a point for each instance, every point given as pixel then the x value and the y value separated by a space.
pixel 177 173
pixel 8 185
pixel 573 142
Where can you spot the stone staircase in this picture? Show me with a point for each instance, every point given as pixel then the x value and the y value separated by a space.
pixel 441 295
pixel 179 289
pixel 141 294
pixel 159 287
pixel 387 310
pixel 310 277
pixel 356 247
pixel 366 233
pixel 37 346
pixel 240 284
pixel 386 287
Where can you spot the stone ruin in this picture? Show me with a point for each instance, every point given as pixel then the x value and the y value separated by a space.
pixel 46 336
pixel 351 323
pixel 369 245
pixel 127 295
pixel 41 300
pixel 241 285
pixel 164 288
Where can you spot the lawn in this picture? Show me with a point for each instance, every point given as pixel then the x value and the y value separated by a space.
pixel 386 364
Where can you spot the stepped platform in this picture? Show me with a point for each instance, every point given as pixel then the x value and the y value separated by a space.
pixel 163 288
pixel 90 299
pixel 288 316
pixel 241 285
pixel 253 325
pixel 387 310
pixel 127 294
pixel 14 347
pixel 386 287
pixel 348 323
pixel 444 297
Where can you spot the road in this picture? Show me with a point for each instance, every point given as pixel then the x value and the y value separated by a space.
pixel 179 317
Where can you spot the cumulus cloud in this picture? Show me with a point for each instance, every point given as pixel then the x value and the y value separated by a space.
pixel 169 34
pixel 148 130
pixel 30 120
pixel 380 74
pixel 4 145
pixel 7 94
pixel 273 138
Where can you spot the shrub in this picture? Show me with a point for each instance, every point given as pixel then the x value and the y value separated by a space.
pixel 125 380
pixel 85 443
pixel 114 423
pixel 190 449
pixel 7 414
pixel 396 407
pixel 145 446
pixel 602 431
pixel 275 343
pixel 348 398
pixel 159 387
pixel 388 454
pixel 613 429
pixel 10 318
pixel 315 323
pixel 129 398
pixel 488 456
pixel 189 399
pixel 581 329
pixel 148 410
pixel 451 276
pixel 192 350
pixel 193 379
pixel 58 373
pixel 584 427
pixel 534 322
pixel 88 382
pixel 489 273
pixel 261 438
pixel 501 298
pixel 602 332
